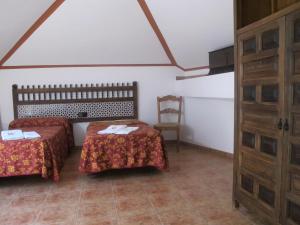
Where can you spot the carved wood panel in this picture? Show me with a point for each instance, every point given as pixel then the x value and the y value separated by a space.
pixel 249 46
pixel 258 166
pixel 267 152
pixel 79 103
pixel 295 184
pixel 261 92
pixel 256 69
pixel 291 185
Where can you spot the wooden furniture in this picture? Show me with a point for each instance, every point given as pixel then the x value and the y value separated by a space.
pixel 79 103
pixel 174 126
pixel 249 11
pixel 221 61
pixel 267 129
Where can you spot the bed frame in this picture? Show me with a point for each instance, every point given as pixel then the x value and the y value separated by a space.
pixel 79 103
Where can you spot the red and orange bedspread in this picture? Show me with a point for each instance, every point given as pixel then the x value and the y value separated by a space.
pixel 141 148
pixel 46 122
pixel 43 155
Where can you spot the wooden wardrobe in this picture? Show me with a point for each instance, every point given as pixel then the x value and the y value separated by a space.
pixel 267 131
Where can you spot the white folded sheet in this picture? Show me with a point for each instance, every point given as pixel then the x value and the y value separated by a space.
pixel 111 129
pixel 9 135
pixel 126 130
pixel 31 135
pixel 117 129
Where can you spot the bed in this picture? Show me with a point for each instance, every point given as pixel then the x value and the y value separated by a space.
pixel 43 156
pixel 141 148
pixel 89 103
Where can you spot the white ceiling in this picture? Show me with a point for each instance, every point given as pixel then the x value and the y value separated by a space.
pixel 117 32
pixel 192 28
pixel 93 32
pixel 16 17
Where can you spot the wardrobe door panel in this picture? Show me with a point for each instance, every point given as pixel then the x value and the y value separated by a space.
pixel 266 195
pixel 291 157
pixel 249 93
pixel 261 68
pixel 248 140
pixel 249 46
pixel 247 183
pixel 296 34
pixel 268 145
pixel 295 154
pixel 270 93
pixel 295 184
pixel 296 93
pixel 270 39
pixel 296 59
pixel 260 134
pixel 293 212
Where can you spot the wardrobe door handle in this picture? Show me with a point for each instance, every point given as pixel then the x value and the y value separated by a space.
pixel 286 125
pixel 279 125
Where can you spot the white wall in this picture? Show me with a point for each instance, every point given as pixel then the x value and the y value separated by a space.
pixel 152 82
pixel 217 86
pixel 209 122
pixel 208 112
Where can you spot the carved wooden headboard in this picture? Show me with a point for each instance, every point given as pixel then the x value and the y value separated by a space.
pixel 79 103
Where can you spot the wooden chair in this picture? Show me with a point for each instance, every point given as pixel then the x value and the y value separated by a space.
pixel 165 125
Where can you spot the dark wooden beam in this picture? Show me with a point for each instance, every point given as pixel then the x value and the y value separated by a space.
pixel 157 31
pixel 193 69
pixel 191 77
pixel 80 65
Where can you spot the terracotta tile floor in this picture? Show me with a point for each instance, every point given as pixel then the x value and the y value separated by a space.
pixel 197 190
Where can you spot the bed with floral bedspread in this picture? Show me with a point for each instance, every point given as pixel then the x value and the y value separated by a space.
pixel 44 156
pixel 141 148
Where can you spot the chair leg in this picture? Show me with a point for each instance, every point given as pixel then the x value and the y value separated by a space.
pixel 236 204
pixel 178 140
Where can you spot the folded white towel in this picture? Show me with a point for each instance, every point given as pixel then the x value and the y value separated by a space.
pixel 126 130
pixel 31 135
pixel 111 129
pixel 117 129
pixel 9 135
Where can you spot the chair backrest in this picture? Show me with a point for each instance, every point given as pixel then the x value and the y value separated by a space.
pixel 169 98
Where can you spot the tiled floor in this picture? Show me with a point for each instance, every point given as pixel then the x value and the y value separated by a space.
pixel 197 190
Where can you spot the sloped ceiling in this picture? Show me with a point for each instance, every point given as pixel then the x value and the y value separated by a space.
pixel 15 19
pixel 117 32
pixel 92 32
pixel 193 28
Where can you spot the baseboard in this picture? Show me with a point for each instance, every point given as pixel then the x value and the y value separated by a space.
pixel 170 142
pixel 215 151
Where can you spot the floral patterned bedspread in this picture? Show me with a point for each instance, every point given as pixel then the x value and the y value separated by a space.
pixel 43 155
pixel 46 122
pixel 141 148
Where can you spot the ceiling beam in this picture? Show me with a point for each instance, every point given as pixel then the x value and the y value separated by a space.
pixel 191 77
pixel 81 65
pixel 157 31
pixel 100 65
pixel 192 69
pixel 161 38
pixel 32 29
